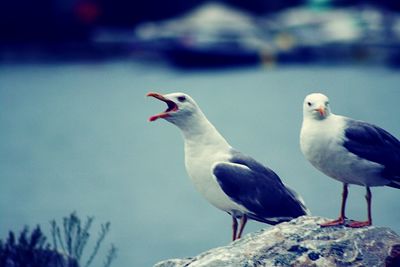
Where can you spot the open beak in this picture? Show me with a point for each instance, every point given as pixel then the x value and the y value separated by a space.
pixel 322 111
pixel 172 106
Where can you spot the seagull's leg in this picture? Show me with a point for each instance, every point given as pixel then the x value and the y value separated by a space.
pixel 368 197
pixel 345 193
pixel 243 222
pixel 342 216
pixel 234 228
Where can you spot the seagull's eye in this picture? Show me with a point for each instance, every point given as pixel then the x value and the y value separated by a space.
pixel 326 103
pixel 181 98
pixel 309 104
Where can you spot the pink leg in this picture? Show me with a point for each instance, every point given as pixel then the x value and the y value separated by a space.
pixel 342 217
pixel 368 197
pixel 234 228
pixel 243 222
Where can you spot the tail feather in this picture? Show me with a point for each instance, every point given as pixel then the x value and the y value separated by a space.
pixel 300 201
pixel 395 184
pixel 396 179
pixel 271 221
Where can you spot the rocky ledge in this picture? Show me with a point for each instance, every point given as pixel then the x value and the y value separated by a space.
pixel 302 242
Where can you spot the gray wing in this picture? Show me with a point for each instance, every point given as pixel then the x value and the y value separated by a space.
pixel 259 189
pixel 372 143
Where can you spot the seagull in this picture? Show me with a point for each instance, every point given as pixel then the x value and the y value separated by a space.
pixel 229 180
pixel 350 151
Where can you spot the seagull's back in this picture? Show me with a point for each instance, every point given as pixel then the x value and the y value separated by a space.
pixel 258 189
pixel 376 145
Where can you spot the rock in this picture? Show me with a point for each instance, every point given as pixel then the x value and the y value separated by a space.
pixel 302 242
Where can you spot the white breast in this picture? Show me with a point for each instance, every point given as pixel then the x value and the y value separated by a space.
pixel 205 147
pixel 321 142
pixel 200 162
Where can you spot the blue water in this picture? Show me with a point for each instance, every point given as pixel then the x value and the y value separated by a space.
pixel 76 137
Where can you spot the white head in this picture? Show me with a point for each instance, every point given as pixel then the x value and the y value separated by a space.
pixel 316 106
pixel 181 108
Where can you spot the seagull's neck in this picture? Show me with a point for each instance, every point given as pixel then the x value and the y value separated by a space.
pixel 331 118
pixel 199 132
pixel 314 129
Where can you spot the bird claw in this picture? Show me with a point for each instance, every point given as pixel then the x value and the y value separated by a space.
pixel 339 221
pixel 357 224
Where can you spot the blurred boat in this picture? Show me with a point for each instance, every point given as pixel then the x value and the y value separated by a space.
pixel 218 35
pixel 341 35
pixel 211 35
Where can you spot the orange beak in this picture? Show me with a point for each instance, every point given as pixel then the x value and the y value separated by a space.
pixel 172 106
pixel 322 111
pixel 156 95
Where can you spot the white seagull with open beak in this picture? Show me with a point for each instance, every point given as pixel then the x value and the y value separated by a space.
pixel 229 180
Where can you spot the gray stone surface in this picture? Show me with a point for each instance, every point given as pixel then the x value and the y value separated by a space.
pixel 302 242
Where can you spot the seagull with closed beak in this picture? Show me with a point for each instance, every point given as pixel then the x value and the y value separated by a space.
pixel 229 180
pixel 350 151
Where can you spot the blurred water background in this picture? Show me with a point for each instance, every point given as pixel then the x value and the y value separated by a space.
pixel 74 133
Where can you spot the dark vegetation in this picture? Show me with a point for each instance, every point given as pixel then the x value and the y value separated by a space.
pixel 67 248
